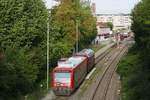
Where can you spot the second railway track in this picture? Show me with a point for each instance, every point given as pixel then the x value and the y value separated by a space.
pixel 103 85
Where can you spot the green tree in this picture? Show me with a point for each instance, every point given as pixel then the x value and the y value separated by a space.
pixel 17 73
pixel 140 26
pixel 22 23
pixel 64 19
pixel 110 25
pixel 23 46
pixel 135 68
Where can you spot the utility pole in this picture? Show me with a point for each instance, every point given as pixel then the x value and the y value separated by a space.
pixel 77 28
pixel 48 44
pixel 77 36
pixel 48 52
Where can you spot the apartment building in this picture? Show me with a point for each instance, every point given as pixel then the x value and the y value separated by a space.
pixel 119 21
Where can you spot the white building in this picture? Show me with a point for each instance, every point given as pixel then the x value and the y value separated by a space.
pixel 103 32
pixel 119 21
pixel 103 28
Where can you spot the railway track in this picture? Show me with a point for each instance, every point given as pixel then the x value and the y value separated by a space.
pixel 107 90
pixel 101 66
pixel 103 54
pixel 103 85
pixel 107 55
pixel 97 60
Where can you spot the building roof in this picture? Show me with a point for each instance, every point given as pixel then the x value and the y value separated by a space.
pixel 113 14
pixel 102 25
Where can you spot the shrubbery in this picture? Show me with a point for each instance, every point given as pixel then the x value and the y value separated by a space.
pixel 135 67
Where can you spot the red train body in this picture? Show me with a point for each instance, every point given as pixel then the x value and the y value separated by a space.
pixel 69 74
pixel 89 54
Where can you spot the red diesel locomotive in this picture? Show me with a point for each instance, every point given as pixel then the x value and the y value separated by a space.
pixel 70 73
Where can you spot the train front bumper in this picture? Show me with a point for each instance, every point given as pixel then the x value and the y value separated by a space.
pixel 62 91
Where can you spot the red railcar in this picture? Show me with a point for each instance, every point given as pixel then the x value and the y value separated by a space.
pixel 70 73
pixel 90 56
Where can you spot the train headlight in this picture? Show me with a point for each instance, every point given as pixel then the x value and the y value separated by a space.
pixel 54 84
pixel 61 85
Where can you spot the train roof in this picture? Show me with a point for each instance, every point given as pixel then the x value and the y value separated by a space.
pixel 71 62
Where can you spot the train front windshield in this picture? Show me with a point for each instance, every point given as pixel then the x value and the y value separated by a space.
pixel 62 79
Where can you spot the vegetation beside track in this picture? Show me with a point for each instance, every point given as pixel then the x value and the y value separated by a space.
pixel 97 47
pixel 134 68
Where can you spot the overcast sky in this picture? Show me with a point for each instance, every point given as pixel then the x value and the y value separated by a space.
pixel 108 6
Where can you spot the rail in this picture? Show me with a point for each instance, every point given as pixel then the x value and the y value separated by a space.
pixel 123 50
